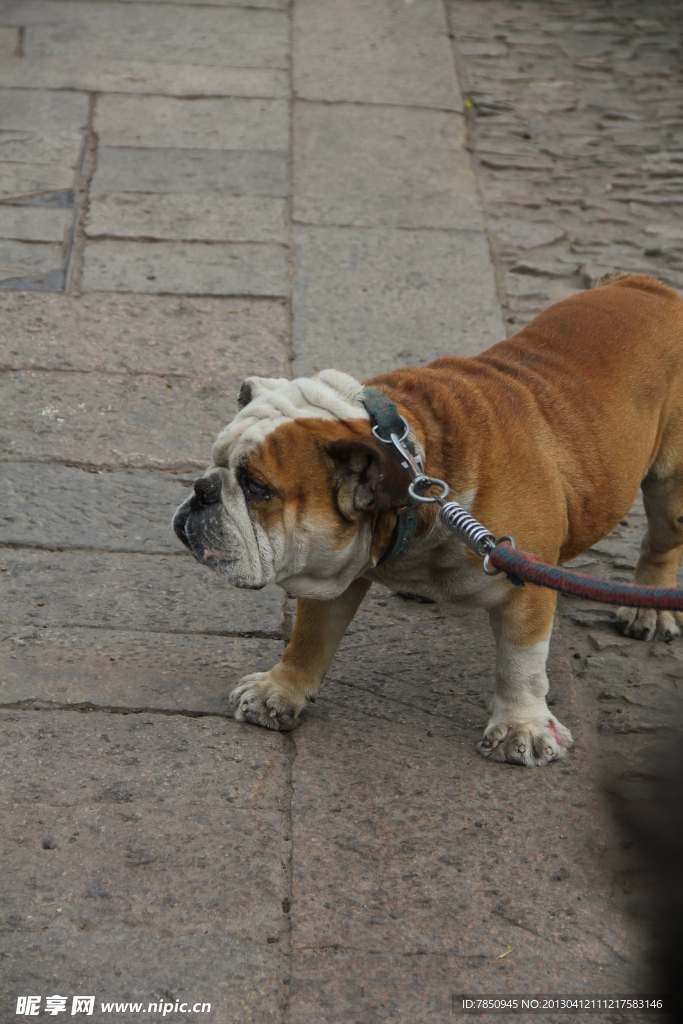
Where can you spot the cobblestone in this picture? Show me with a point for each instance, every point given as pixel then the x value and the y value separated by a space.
pixel 576 128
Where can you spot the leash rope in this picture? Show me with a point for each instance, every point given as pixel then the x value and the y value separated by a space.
pixel 521 567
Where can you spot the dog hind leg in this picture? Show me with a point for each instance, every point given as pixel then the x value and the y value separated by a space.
pixel 661 553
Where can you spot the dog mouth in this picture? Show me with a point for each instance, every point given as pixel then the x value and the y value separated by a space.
pixel 180 524
pixel 213 557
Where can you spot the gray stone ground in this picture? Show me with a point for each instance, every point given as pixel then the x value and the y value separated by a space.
pixel 192 193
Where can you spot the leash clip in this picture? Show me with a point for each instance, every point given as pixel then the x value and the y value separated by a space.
pixel 487 567
pixel 413 463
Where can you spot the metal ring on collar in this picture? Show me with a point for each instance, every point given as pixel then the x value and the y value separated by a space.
pixel 495 571
pixel 424 483
pixel 390 440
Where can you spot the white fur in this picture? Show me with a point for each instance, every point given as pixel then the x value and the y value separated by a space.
pixel 521 679
pixel 332 395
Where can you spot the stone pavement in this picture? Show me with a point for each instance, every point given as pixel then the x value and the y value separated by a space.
pixel 191 193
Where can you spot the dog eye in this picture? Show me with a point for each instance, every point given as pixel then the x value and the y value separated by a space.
pixel 252 488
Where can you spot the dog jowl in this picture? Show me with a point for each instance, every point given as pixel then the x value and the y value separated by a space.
pixel 546 436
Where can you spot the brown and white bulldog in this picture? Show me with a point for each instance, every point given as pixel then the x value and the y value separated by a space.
pixel 546 436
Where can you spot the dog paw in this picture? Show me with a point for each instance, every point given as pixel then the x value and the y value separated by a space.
pixel 646 623
pixel 537 742
pixel 257 699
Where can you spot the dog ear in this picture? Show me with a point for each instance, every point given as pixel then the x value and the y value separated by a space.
pixel 366 479
pixel 245 396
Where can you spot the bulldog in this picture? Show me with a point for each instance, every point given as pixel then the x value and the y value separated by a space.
pixel 546 436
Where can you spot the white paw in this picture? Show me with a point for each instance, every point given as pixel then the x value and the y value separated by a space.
pixel 645 623
pixel 256 699
pixel 536 742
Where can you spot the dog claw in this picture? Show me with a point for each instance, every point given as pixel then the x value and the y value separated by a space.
pixel 527 743
pixel 256 700
pixel 645 623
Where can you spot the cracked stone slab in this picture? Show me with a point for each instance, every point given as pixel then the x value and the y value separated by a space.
pixel 383 298
pixel 103 814
pixel 108 421
pixel 215 339
pixel 190 673
pixel 187 218
pixel 200 171
pixel 233 36
pixel 374 53
pixel 155 593
pixel 199 268
pixel 382 167
pixel 55 506
pixel 417 862
pixel 140 76
pixel 153 122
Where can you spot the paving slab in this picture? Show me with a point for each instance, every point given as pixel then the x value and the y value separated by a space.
pixel 417 862
pixel 143 76
pixel 54 506
pixel 152 122
pixel 366 301
pixel 232 36
pixel 101 590
pixel 17 259
pixel 9 38
pixel 200 171
pixel 186 218
pixel 42 127
pixel 122 670
pixel 100 421
pixel 35 224
pixel 214 339
pixel 103 814
pixel 178 268
pixel 365 52
pixel 378 167
pixel 19 179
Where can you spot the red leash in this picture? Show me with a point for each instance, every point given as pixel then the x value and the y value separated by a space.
pixel 522 568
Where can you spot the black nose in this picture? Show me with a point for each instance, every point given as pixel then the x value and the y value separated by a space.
pixel 208 490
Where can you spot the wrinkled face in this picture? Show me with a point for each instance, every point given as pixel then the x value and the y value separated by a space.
pixel 293 490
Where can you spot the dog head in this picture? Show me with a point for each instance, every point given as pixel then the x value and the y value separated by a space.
pixel 298 492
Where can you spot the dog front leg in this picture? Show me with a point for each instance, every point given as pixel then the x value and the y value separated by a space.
pixel 522 729
pixel 275 699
